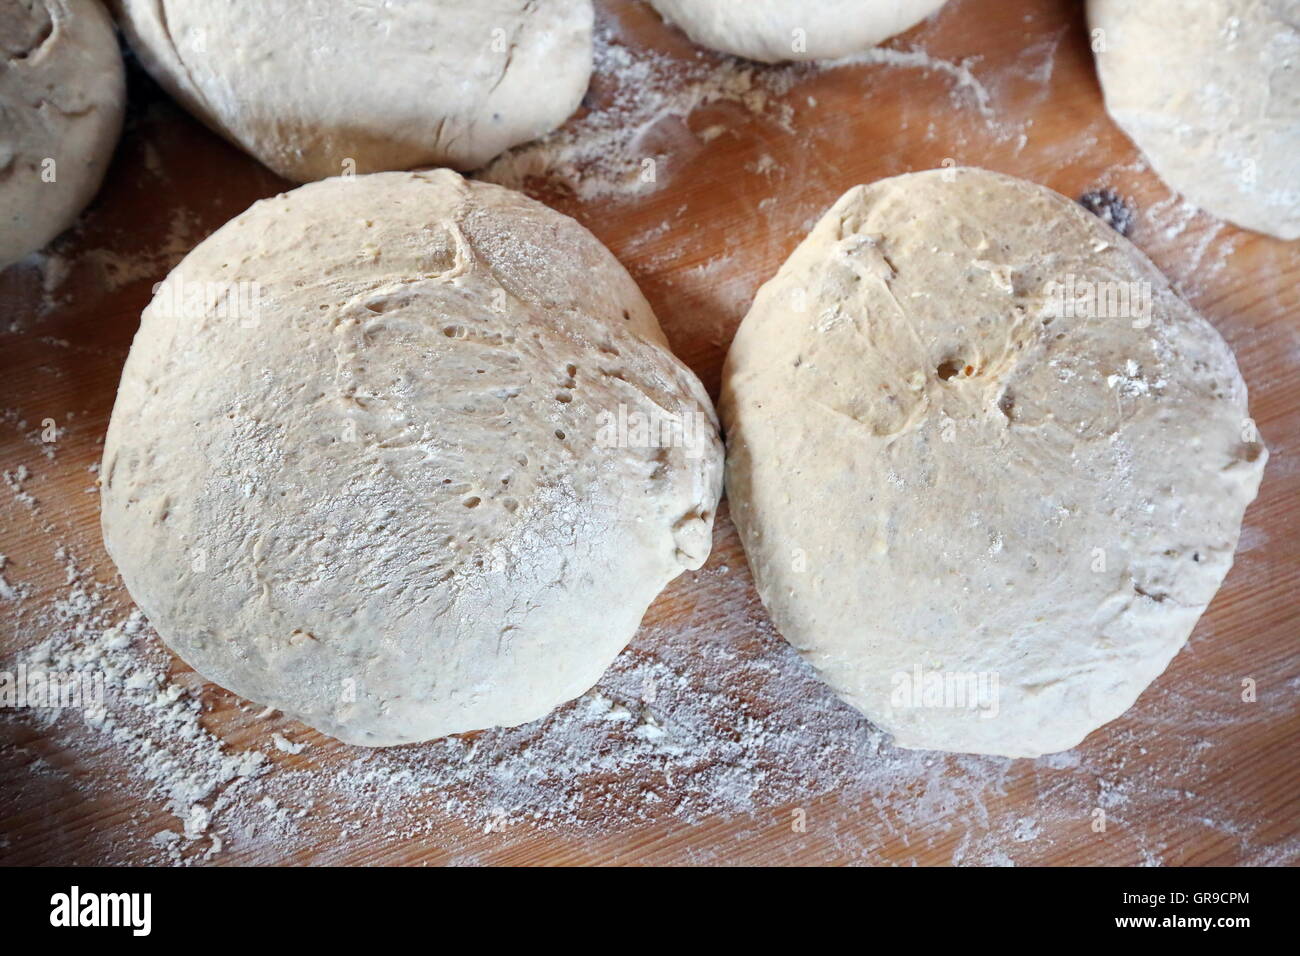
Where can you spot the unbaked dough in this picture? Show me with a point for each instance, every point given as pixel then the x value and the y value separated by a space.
pixel 987 511
pixel 321 89
pixel 773 31
pixel 62 95
pixel 363 466
pixel 1211 95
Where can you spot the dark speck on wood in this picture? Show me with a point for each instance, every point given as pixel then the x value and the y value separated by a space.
pixel 1111 208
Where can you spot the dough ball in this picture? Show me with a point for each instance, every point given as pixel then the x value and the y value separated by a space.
pixel 318 90
pixel 1212 97
pixel 62 95
pixel 774 31
pixel 359 467
pixel 986 500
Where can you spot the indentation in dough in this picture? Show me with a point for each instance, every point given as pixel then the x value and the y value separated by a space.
pixel 25 29
pixel 1007 405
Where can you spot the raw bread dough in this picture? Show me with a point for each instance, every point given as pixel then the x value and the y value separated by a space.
pixel 773 31
pixel 306 88
pixel 1211 94
pixel 938 480
pixel 376 495
pixel 62 95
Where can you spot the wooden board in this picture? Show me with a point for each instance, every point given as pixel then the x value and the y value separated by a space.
pixel 1191 775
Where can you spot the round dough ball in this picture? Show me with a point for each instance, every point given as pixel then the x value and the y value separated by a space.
pixel 318 90
pixel 62 96
pixel 1212 97
pixel 986 511
pixel 774 31
pixel 358 468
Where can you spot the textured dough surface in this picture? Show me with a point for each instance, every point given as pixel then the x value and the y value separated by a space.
pixel 931 468
pixel 765 30
pixel 1210 92
pixel 62 96
pixel 384 507
pixel 298 85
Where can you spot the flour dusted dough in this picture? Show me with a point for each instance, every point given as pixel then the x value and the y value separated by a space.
pixel 773 31
pixel 1210 91
pixel 939 467
pixel 381 501
pixel 62 95
pixel 305 87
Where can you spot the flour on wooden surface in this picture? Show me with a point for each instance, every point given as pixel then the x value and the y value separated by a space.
pixel 605 153
pixel 688 725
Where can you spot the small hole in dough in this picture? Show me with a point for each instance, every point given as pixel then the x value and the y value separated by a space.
pixel 947 370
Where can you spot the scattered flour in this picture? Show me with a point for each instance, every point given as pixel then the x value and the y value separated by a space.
pixel 607 152
pixel 688 725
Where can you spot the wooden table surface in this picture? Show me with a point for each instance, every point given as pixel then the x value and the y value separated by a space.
pixel 1005 84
